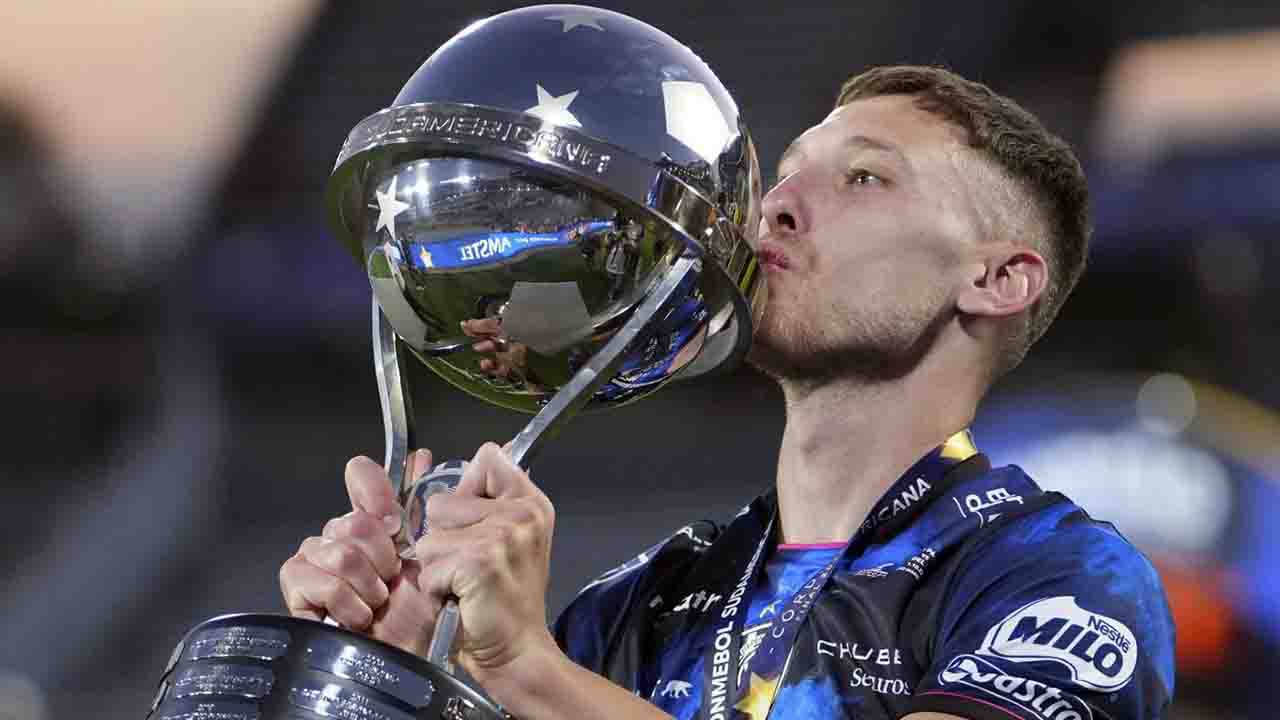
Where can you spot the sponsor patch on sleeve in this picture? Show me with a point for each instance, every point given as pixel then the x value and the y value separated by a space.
pixel 1099 652
pixel 1036 699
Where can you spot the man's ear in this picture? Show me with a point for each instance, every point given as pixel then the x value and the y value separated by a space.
pixel 1008 281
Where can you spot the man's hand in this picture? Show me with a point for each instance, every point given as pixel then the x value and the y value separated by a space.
pixel 490 545
pixel 351 571
pixel 504 358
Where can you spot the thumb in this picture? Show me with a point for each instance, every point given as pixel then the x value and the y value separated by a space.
pixel 407 618
pixel 370 491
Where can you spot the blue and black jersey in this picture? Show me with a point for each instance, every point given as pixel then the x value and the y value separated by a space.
pixel 968 591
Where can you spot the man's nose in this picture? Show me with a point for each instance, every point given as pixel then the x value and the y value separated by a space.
pixel 781 209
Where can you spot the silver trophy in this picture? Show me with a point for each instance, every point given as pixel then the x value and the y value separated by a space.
pixel 572 190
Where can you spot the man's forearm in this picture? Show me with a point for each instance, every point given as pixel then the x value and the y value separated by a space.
pixel 553 687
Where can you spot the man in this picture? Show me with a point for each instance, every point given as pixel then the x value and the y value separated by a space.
pixel 918 241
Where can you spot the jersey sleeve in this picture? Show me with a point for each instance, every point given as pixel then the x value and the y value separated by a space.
pixel 584 629
pixel 603 611
pixel 1055 617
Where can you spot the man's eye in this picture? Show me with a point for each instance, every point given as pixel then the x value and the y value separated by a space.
pixel 862 177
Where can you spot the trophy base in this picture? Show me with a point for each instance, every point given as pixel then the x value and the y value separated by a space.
pixel 272 667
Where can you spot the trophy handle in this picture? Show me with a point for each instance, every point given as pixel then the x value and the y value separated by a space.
pixel 390 363
pixel 600 368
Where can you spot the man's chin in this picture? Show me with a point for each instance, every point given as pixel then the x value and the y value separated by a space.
pixel 762 361
pixel 788 351
pixel 777 359
pixel 779 349
pixel 797 359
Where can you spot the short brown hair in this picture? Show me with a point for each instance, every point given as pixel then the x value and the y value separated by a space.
pixel 1041 164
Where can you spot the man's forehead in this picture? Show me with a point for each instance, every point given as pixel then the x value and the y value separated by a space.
pixel 887 121
pixel 930 145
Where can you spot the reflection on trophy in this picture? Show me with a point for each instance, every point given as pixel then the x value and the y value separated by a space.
pixel 554 214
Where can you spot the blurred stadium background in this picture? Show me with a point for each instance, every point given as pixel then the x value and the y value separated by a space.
pixel 188 368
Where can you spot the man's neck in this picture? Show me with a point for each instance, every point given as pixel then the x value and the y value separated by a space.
pixel 847 441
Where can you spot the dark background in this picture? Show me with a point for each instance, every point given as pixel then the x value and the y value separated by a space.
pixel 187 365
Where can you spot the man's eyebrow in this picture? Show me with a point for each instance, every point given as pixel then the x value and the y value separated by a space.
pixel 853 141
pixel 870 143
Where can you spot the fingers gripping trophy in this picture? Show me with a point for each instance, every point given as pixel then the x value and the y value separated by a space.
pixel 555 214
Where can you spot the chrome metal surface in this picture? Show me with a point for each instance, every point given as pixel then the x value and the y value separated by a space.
pixel 329 654
pixel 603 364
pixel 514 158
pixel 565 404
pixel 440 650
pixel 320 671
pixel 443 478
pixel 559 266
pixel 397 417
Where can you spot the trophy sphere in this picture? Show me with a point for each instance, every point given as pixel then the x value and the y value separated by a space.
pixel 535 178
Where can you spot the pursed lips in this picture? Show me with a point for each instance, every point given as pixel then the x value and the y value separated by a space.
pixel 772 257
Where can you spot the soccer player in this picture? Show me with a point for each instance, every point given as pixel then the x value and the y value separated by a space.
pixel 919 240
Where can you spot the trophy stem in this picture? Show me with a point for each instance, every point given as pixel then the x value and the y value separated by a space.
pixel 600 368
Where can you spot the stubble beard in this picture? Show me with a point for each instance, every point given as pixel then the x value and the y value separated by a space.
pixel 865 346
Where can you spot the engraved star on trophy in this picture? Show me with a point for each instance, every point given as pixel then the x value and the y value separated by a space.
pixel 578 185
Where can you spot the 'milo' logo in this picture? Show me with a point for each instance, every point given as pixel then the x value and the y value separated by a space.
pixel 1100 652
